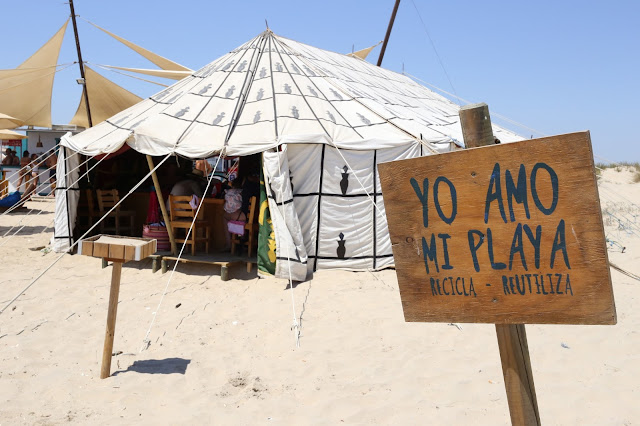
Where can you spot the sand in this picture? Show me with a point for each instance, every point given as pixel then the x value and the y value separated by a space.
pixel 224 352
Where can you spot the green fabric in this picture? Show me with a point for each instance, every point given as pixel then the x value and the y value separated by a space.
pixel 266 236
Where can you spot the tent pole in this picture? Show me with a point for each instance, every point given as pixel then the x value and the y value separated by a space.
pixel 386 36
pixel 80 63
pixel 163 208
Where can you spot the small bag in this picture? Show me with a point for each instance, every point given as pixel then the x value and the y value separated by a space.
pixel 236 227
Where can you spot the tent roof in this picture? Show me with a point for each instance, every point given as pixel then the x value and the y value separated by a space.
pixel 275 90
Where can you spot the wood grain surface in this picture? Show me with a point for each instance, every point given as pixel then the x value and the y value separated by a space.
pixel 506 234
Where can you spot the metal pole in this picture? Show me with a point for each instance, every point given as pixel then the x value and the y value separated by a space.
pixel 80 63
pixel 386 37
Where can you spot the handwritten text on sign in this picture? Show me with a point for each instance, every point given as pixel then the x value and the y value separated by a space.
pixel 501 234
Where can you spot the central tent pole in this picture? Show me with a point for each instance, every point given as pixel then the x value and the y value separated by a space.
pixel 388 34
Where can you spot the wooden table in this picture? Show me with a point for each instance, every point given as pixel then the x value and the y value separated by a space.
pixel 214 214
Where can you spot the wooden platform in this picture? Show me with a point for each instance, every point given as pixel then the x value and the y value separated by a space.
pixel 224 260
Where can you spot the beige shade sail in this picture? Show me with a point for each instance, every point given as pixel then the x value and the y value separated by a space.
pixel 106 99
pixel 10 134
pixel 170 74
pixel 9 122
pixel 362 54
pixel 25 92
pixel 160 61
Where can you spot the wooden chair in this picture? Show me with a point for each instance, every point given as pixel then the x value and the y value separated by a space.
pixel 251 227
pixel 182 215
pixel 86 211
pixel 106 201
pixel 4 187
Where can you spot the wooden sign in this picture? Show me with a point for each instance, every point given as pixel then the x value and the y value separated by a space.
pixel 506 234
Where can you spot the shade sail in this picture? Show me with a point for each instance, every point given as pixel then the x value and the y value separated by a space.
pixel 362 54
pixel 160 61
pixel 9 122
pixel 106 99
pixel 273 90
pixel 25 92
pixel 10 134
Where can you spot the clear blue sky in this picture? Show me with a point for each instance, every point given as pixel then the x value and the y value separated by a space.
pixel 555 66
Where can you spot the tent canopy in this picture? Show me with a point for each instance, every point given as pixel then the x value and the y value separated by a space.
pixel 273 90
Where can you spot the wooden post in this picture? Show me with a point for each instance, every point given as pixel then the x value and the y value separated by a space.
pixel 476 125
pixel 163 208
pixel 518 378
pixel 512 338
pixel 105 370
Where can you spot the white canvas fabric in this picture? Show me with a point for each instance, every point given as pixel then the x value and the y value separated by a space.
pixel 291 252
pixel 66 200
pixel 339 204
pixel 273 90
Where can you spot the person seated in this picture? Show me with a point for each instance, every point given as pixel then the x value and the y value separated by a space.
pixel 25 170
pixel 51 164
pixel 232 209
pixel 204 167
pixel 194 184
pixel 250 188
pixel 15 198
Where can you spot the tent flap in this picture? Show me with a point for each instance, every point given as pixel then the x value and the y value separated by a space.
pixel 67 196
pixel 291 260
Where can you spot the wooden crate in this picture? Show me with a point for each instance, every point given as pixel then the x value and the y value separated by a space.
pixel 116 248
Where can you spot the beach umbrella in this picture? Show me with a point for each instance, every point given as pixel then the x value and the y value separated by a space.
pixel 9 122
pixel 10 134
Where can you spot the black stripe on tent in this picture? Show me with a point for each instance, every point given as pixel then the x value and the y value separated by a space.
pixel 66 197
pixel 375 233
pixel 327 194
pixel 315 263
pixel 259 100
pixel 282 203
pixel 380 256
pixel 273 89
pixel 292 260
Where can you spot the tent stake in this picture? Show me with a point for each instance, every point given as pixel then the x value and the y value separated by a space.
pixel 163 208
pixel 512 338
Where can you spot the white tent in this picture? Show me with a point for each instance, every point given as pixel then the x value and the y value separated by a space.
pixel 335 118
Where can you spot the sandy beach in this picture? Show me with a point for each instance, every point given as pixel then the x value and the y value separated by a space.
pixel 224 352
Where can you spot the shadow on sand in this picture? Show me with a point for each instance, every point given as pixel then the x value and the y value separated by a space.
pixel 158 366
